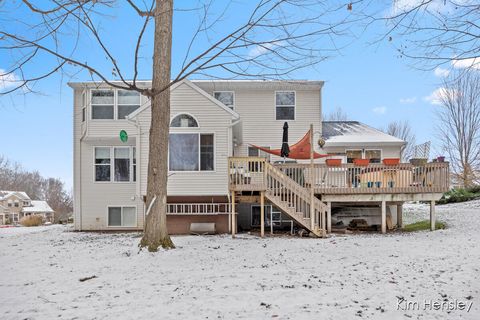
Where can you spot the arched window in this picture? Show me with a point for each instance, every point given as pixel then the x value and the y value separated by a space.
pixel 184 121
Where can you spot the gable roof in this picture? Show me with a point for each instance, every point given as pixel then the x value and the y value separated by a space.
pixel 187 82
pixel 19 194
pixel 38 206
pixel 344 133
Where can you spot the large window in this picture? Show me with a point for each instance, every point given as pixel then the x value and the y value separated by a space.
pixel 102 104
pixel 122 164
pixel 122 216
pixel 191 152
pixel 375 156
pixel 127 102
pixel 113 104
pixel 353 154
pixel 102 164
pixel 115 163
pixel 285 105
pixel 184 121
pixel 225 97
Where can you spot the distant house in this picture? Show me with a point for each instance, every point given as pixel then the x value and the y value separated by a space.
pixel 14 205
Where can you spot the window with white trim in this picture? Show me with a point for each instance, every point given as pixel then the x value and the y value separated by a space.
pixel 122 216
pixel 127 102
pixel 103 102
pixel 184 121
pixel 102 164
pixel 353 154
pixel 225 97
pixel 122 163
pixel 285 105
pixel 375 156
pixel 117 164
pixel 191 152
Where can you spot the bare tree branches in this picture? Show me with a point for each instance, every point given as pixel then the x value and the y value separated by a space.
pixel 459 128
pixel 404 131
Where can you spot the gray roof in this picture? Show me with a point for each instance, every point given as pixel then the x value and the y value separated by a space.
pixel 20 194
pixel 355 133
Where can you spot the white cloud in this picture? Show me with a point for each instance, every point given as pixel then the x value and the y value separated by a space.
pixel 408 100
pixel 379 110
pixel 436 96
pixel 440 72
pixel 400 6
pixel 259 50
pixel 467 63
pixel 7 80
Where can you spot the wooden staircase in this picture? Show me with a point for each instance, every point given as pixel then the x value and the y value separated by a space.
pixel 255 174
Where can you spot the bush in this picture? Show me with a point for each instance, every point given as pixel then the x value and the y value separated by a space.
pixel 474 189
pixel 31 221
pixel 423 225
pixel 458 195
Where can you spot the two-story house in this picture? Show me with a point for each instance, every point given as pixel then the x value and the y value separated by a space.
pixel 14 205
pixel 212 122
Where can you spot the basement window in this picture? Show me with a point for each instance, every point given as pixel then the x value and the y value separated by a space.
pixel 122 216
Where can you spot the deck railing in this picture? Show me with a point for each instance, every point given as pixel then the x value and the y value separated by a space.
pixel 247 173
pixel 198 208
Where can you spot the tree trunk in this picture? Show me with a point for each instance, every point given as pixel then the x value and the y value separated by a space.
pixel 156 234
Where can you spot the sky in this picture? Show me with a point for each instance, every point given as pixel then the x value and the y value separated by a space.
pixel 370 82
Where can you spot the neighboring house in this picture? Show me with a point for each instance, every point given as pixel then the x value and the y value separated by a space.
pixel 14 205
pixel 211 160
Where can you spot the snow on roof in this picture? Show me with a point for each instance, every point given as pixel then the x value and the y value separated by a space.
pixel 342 133
pixel 20 194
pixel 38 206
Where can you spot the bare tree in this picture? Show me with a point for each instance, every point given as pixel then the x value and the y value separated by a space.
pixel 336 115
pixel 459 126
pixel 276 38
pixel 433 32
pixel 403 130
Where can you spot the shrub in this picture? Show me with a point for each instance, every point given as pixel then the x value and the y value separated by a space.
pixel 458 195
pixel 474 189
pixel 32 221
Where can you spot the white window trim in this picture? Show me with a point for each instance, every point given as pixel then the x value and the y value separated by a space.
pixel 233 94
pixel 102 104
pixel 294 105
pixel 121 216
pixel 183 128
pixel 267 155
pixel 124 104
pixel 112 164
pixel 199 154
pixel 363 152
pixel 115 105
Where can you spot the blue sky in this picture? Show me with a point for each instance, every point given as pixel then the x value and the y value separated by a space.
pixel 370 82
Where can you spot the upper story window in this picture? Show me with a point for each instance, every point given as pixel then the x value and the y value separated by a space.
pixel 113 104
pixel 225 97
pixel 17 204
pixel 84 106
pixel 191 152
pixel 184 121
pixel 285 105
pixel 25 203
pixel 103 104
pixel 127 102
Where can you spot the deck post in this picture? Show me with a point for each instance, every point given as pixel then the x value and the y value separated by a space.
pixel 329 217
pixel 384 216
pixel 399 216
pixel 432 215
pixel 262 214
pixel 312 181
pixel 233 214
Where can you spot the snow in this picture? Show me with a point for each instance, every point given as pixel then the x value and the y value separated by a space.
pixel 38 206
pixel 342 277
pixel 345 132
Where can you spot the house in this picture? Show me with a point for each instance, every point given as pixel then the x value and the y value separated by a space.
pixel 14 205
pixel 217 176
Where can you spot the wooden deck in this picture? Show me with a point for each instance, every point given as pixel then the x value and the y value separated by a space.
pixel 247 174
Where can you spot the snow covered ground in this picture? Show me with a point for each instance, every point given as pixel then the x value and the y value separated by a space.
pixel 216 277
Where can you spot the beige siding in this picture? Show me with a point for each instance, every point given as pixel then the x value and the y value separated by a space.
pixel 91 199
pixel 257 113
pixel 211 119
